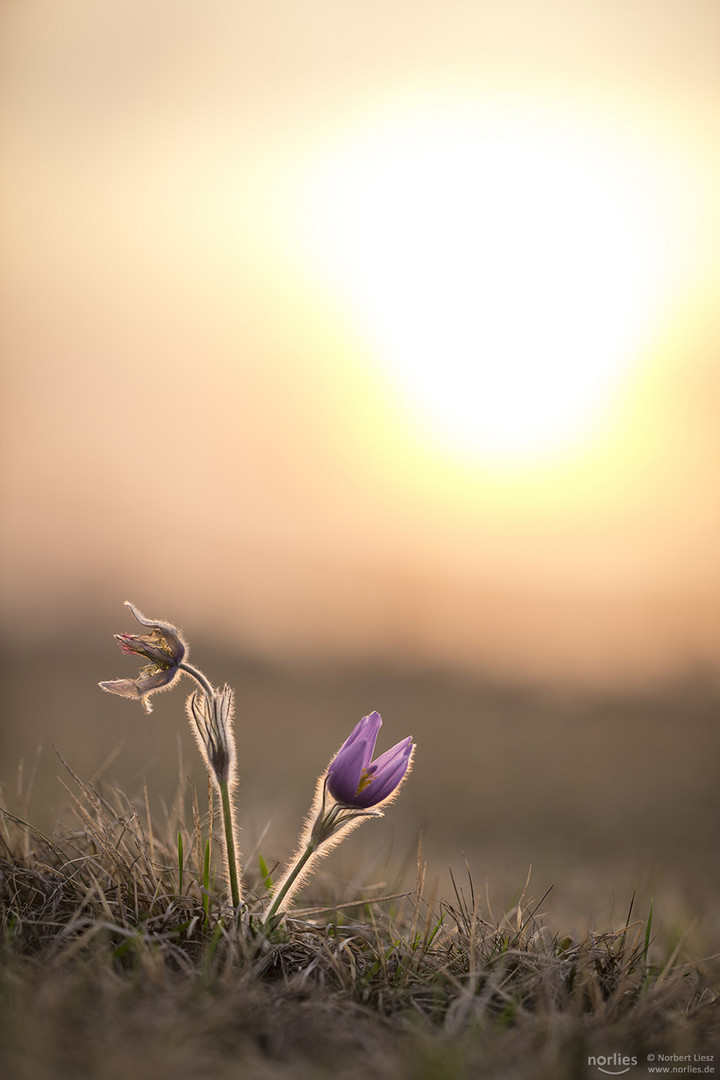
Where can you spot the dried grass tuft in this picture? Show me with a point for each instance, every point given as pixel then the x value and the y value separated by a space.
pixel 119 961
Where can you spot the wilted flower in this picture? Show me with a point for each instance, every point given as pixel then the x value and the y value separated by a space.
pixel 354 780
pixel 210 712
pixel 163 646
pixel 211 719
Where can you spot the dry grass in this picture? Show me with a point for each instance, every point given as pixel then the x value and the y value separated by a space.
pixel 117 964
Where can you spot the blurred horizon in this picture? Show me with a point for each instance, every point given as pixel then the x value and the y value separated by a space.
pixel 603 793
pixel 332 341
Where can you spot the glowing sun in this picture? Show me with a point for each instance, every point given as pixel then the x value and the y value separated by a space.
pixel 504 268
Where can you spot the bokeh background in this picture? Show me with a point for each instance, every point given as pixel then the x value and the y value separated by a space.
pixel 377 345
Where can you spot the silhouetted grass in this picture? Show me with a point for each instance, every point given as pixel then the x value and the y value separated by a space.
pixel 121 959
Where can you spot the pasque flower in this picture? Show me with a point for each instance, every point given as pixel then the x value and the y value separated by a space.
pixel 166 650
pixel 357 786
pixel 357 782
pixel 210 712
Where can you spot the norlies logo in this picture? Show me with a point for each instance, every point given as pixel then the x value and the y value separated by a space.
pixel 613 1064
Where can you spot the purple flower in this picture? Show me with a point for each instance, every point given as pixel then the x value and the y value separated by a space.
pixel 354 780
pixel 163 647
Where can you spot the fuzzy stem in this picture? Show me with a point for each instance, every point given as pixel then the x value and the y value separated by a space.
pixel 230 843
pixel 297 869
pixel 198 676
pixel 323 829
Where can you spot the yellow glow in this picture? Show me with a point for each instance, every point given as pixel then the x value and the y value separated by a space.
pixel 506 268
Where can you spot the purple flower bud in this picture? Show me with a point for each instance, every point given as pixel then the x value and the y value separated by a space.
pixel 163 647
pixel 354 780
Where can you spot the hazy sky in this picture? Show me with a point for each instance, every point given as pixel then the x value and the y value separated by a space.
pixel 298 300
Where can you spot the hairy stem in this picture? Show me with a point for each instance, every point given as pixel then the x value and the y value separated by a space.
pixel 198 676
pixel 305 856
pixel 230 843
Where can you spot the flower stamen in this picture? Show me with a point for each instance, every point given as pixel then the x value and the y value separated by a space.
pixel 365 780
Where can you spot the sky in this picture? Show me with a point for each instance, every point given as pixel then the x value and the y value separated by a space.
pixel 348 330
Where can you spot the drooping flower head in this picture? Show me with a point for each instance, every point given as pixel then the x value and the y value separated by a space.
pixel 163 646
pixel 357 782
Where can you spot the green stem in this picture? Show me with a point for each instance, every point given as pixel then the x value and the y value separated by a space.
pixel 230 843
pixel 325 825
pixel 277 900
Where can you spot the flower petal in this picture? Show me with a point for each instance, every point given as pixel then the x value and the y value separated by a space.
pixel 177 646
pixel 139 689
pixel 123 687
pixel 143 645
pixel 346 769
pixel 386 774
pixel 366 729
pixel 386 760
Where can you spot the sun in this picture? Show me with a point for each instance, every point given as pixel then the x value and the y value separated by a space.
pixel 503 267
